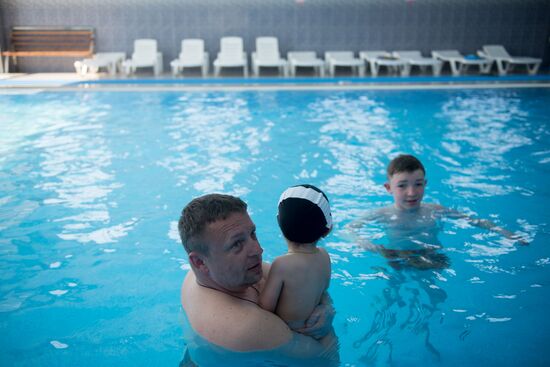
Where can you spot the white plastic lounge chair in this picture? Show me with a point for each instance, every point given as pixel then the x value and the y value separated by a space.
pixel 192 55
pixel 376 59
pixel 267 55
pixel 505 62
pixel 145 55
pixel 460 63
pixel 305 59
pixel 112 61
pixel 343 58
pixel 231 55
pixel 414 58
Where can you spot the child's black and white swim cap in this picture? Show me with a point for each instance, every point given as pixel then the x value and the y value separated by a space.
pixel 304 214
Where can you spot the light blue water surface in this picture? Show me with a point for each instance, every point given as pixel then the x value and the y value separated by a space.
pixel 92 184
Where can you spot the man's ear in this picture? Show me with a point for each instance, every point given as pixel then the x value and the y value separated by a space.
pixel 388 187
pixel 197 261
pixel 425 182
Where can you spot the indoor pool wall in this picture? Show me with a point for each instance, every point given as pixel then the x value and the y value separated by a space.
pixel 522 26
pixel 92 185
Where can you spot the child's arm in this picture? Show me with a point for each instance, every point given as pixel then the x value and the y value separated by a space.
pixel 486 224
pixel 273 287
pixel 354 228
pixel 365 218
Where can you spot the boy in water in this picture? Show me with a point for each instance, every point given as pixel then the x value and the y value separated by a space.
pixel 412 226
pixel 298 280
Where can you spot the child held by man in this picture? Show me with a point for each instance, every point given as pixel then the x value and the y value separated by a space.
pixel 299 279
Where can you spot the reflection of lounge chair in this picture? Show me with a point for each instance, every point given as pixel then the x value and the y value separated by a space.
pixel 267 55
pixel 231 55
pixel 376 59
pixel 192 55
pixel 459 63
pixel 145 55
pixel 414 58
pixel 505 62
pixel 305 59
pixel 343 58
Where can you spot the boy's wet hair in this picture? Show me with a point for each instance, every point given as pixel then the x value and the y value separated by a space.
pixel 404 163
pixel 202 211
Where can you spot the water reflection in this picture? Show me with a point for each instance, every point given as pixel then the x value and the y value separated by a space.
pixel 481 130
pixel 63 139
pixel 213 141
pixel 358 132
pixel 75 168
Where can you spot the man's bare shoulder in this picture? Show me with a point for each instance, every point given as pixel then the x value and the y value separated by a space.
pixel 230 322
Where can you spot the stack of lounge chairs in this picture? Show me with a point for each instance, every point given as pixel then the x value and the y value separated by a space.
pixel 267 55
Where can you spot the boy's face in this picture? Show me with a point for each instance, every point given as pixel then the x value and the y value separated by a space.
pixel 407 189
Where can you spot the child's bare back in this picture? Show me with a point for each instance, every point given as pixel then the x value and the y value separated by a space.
pixel 299 280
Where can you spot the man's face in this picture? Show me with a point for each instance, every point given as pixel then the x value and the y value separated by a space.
pixel 234 261
pixel 407 189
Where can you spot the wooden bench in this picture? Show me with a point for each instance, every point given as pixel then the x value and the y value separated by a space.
pixel 49 42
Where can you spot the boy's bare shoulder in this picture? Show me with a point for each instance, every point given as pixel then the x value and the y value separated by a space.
pixel 283 266
pixel 441 211
pixel 434 206
pixel 286 264
pixel 370 215
pixel 323 251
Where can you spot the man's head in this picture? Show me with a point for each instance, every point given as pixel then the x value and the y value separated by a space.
pixel 202 211
pixel 304 214
pixel 220 239
pixel 406 181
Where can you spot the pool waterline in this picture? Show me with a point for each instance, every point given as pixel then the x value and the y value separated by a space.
pixel 70 81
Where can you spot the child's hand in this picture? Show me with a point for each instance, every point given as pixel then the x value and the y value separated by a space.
pixel 519 239
pixel 513 236
pixel 356 225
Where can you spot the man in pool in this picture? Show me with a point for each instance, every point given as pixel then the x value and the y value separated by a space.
pixel 220 295
pixel 412 226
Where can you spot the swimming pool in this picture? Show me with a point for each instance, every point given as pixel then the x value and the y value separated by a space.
pixel 92 184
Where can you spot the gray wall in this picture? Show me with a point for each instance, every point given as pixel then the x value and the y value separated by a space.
pixel 522 26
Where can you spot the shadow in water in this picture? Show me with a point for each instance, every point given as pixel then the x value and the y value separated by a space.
pixel 406 306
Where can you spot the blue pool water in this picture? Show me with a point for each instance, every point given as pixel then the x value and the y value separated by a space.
pixel 92 184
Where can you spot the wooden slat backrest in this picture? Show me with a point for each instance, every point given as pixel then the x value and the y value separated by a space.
pixel 44 41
